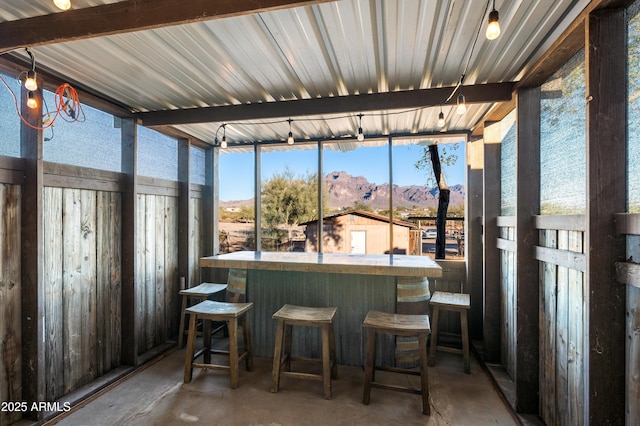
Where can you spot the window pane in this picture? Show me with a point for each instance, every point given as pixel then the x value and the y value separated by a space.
pixel 289 196
pixel 563 140
pixel 236 206
pixel 356 184
pixel 633 116
pixel 157 155
pixel 508 165
pixel 9 119
pixel 94 142
pixel 416 195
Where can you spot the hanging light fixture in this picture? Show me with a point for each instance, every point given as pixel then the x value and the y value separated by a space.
pixel 223 144
pixel 62 4
pixel 360 134
pixel 441 121
pixel 32 102
pixel 462 105
pixel 493 26
pixel 290 139
pixel 30 82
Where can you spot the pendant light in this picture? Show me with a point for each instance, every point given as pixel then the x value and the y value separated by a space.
pixel 462 105
pixel 223 144
pixel 441 121
pixel 360 134
pixel 493 26
pixel 290 139
pixel 32 102
pixel 62 4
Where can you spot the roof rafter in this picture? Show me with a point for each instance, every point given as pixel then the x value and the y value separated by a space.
pixel 480 93
pixel 128 16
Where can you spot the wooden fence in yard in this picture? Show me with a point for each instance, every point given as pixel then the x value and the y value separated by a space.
pixel 82 218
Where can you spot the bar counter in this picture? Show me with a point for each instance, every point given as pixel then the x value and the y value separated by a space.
pixel 353 283
pixel 365 264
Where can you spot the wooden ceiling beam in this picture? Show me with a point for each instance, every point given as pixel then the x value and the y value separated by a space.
pixel 480 93
pixel 128 16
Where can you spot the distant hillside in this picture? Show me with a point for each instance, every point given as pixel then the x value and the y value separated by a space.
pixel 344 190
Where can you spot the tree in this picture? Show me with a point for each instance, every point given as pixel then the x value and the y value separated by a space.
pixel 288 199
pixel 431 157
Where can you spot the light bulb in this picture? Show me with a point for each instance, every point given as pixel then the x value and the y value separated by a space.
pixel 360 134
pixel 462 106
pixel 32 102
pixel 441 122
pixel 30 82
pixel 493 27
pixel 223 144
pixel 62 4
pixel 290 139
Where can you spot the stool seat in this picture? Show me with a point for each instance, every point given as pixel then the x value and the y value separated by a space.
pixel 231 313
pixel 398 325
pixel 203 290
pixel 200 292
pixel 290 315
pixel 454 302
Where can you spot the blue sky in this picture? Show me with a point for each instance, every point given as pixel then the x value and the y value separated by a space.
pixel 371 163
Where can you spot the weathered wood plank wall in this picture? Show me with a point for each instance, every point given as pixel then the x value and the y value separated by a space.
pixel 508 300
pixel 562 324
pixel 82 286
pixel 10 306
pixel 157 280
pixel 197 243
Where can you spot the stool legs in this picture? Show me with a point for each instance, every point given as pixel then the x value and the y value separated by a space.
pixel 424 378
pixel 370 362
pixel 326 361
pixel 277 357
pixel 182 316
pixel 435 311
pixel 465 340
pixel 191 346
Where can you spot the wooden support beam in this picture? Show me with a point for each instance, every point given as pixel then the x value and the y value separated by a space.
pixel 527 271
pixel 479 93
pixel 606 176
pixel 184 211
pixel 128 16
pixel 491 281
pixel 128 242
pixel 473 244
pixel 32 255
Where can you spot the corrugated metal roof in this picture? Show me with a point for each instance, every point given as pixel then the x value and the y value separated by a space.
pixel 331 49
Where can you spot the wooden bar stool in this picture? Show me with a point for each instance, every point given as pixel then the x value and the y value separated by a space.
pixel 397 325
pixel 200 292
pixel 290 315
pixel 455 302
pixel 235 292
pixel 231 313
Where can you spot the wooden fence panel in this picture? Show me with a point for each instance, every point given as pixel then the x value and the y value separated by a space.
pixel 157 283
pixel 109 280
pixel 82 283
pixel 633 356
pixel 562 325
pixel 53 284
pixel 10 304
pixel 548 307
pixel 508 304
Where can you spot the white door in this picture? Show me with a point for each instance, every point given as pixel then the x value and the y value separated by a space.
pixel 358 242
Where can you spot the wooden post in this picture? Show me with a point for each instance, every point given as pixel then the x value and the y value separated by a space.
pixel 527 280
pixel 32 253
pixel 184 212
pixel 129 239
pixel 606 176
pixel 473 235
pixel 491 206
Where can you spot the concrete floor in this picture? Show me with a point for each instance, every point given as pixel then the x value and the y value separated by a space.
pixel 156 395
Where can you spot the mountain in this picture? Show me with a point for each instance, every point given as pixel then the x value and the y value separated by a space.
pixel 344 190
